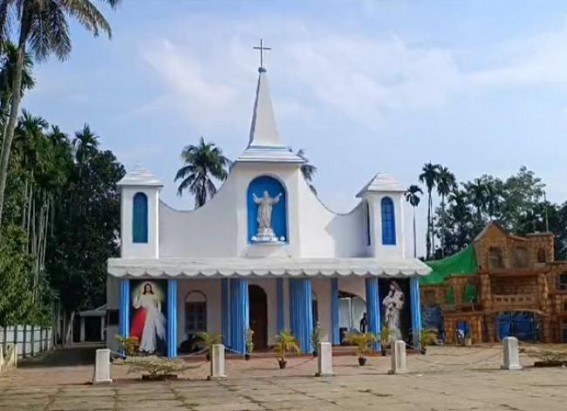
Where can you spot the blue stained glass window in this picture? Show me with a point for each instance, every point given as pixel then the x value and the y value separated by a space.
pixel 140 218
pixel 388 222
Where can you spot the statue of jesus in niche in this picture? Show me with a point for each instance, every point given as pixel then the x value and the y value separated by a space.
pixel 264 218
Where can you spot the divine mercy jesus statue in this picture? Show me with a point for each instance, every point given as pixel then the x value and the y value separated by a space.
pixel 264 218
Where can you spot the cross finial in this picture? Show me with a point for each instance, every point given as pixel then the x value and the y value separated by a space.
pixel 262 48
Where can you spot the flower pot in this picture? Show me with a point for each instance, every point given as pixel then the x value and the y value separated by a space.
pixel 361 361
pixel 315 354
pixel 246 356
pixel 423 351
pixel 282 364
pixel 208 357
pixel 383 352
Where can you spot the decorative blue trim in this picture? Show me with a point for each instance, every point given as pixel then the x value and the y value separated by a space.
pixel 140 218
pixel 388 221
pixel 373 307
pixel 336 337
pixel 415 310
pixel 124 309
pixel 240 314
pixel 171 318
pixel 225 312
pixel 280 324
pixel 301 314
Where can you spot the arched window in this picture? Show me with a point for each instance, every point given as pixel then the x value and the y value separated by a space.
pixel 388 222
pixel 266 185
pixel 541 255
pixel 195 313
pixel 368 239
pixel 140 218
pixel 495 258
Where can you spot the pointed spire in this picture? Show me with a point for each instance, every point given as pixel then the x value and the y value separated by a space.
pixel 263 130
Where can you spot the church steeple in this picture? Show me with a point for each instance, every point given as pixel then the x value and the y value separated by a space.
pixel 263 130
pixel 264 143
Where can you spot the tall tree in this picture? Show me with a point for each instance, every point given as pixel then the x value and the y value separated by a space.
pixel 308 170
pixel 42 25
pixel 478 197
pixel 429 176
pixel 412 197
pixel 203 163
pixel 445 184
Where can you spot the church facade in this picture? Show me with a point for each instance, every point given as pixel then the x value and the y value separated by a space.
pixel 264 255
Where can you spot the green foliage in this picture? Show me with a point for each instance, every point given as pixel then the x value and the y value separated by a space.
pixel 129 345
pixel 286 342
pixel 249 341
pixel 362 341
pixel 204 340
pixel 316 337
pixel 385 337
pixel 427 337
pixel 204 163
pixel 153 365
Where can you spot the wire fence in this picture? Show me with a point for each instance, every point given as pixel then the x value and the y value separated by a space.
pixel 30 340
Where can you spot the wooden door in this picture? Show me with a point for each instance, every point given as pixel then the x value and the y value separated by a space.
pixel 258 316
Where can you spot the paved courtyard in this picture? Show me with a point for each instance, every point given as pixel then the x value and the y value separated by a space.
pixel 445 379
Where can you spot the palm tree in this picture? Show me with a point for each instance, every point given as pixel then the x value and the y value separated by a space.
pixel 308 170
pixel 201 163
pixel 412 197
pixel 10 57
pixel 445 183
pixel 478 196
pixel 429 176
pixel 85 144
pixel 43 26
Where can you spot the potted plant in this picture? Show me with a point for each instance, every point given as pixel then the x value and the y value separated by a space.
pixel 427 337
pixel 154 368
pixel 385 339
pixel 205 341
pixel 129 345
pixel 249 343
pixel 363 343
pixel 285 342
pixel 316 338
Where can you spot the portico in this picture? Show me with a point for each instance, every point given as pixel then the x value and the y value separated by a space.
pixel 263 255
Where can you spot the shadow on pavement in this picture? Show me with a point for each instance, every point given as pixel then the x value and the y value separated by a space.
pixel 63 357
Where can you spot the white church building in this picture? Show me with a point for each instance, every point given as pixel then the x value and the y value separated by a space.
pixel 264 254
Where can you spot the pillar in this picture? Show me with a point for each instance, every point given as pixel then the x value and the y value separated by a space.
pixel 373 307
pixel 124 309
pixel 280 321
pixel 171 318
pixel 82 337
pixel 301 312
pixel 240 314
pixel 415 311
pixel 225 312
pixel 335 336
pixel 102 328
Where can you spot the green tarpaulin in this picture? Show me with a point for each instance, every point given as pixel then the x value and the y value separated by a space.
pixel 462 263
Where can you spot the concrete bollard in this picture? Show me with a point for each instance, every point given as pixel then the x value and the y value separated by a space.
pixel 511 354
pixel 217 362
pixel 102 367
pixel 325 360
pixel 399 359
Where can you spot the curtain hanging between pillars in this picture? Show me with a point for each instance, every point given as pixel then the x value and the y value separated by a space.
pixel 301 312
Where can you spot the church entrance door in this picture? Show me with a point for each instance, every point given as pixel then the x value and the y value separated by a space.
pixel 258 316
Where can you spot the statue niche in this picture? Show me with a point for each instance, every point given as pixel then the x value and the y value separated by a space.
pixel 267 216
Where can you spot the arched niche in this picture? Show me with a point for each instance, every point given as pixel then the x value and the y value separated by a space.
pixel 195 313
pixel 273 187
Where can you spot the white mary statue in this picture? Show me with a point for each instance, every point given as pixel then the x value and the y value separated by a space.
pixel 393 304
pixel 264 218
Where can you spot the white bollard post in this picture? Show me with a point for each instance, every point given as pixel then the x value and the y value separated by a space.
pixel 217 362
pixel 325 360
pixel 511 354
pixel 102 367
pixel 399 359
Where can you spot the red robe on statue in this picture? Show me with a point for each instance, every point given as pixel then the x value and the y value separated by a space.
pixel 138 322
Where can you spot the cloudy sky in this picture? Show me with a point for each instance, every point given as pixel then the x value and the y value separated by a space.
pixel 362 86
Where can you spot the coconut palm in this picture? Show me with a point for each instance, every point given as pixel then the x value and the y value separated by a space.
pixel 43 26
pixel 203 162
pixel 478 196
pixel 412 197
pixel 429 177
pixel 308 170
pixel 9 59
pixel 445 183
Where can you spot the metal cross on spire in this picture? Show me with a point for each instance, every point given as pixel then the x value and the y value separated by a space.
pixel 262 48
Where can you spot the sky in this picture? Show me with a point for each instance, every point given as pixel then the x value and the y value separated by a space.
pixel 363 86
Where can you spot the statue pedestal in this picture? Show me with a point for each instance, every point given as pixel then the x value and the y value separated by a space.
pixel 267 249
